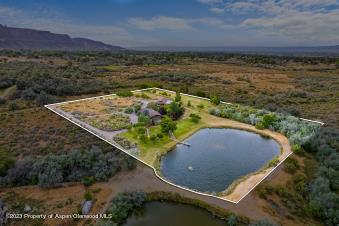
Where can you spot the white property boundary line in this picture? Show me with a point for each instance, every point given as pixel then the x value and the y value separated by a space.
pixel 155 171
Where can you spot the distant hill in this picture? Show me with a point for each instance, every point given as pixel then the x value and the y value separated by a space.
pixel 294 50
pixel 22 38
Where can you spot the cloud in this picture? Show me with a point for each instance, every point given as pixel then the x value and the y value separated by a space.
pixel 210 1
pixel 176 23
pixel 161 22
pixel 302 26
pixel 298 21
pixel 216 10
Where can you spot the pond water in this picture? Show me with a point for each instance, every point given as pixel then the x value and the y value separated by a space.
pixel 216 158
pixel 169 214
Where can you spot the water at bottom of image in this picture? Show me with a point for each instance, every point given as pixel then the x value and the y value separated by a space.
pixel 170 214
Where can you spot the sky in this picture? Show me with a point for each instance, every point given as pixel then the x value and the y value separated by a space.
pixel 189 23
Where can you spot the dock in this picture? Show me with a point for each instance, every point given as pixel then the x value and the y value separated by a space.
pixel 171 135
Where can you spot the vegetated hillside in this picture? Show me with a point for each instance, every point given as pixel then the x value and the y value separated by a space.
pixel 21 38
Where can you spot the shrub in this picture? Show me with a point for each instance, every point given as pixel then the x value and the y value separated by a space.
pixel 6 161
pixel 195 118
pixel 268 120
pixel 13 106
pixel 153 137
pixel 215 100
pixel 263 190
pixel 88 196
pixel 144 120
pixel 125 94
pixel 44 98
pixel 160 136
pixel 129 110
pixel 260 126
pixel 189 104
pixel 200 106
pixel 273 162
pixel 281 191
pixel 87 181
pixel 141 130
pixel 2 100
pixel 291 165
pixel 177 97
pixel 144 96
pixel 200 93
pixel 49 171
pixel 143 138
pixel 231 220
pixel 297 149
pixel 124 204
pixel 137 108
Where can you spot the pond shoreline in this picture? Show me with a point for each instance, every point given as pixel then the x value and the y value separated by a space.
pixel 242 189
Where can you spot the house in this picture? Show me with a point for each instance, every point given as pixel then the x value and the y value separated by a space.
pixel 154 115
pixel 164 101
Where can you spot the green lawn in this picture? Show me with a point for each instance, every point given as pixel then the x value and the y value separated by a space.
pixel 151 150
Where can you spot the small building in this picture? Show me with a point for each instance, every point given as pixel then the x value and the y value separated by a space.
pixel 154 115
pixel 164 101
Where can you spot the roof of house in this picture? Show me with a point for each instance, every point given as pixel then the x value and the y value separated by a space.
pixel 150 112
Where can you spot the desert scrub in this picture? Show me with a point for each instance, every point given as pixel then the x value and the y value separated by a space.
pixel 273 162
pixel 112 122
pixel 6 161
pixel 291 165
pixel 124 142
pixel 52 170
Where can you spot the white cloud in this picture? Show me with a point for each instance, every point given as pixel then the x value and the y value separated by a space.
pixel 302 26
pixel 161 22
pixel 176 23
pixel 299 21
pixel 210 1
pixel 217 10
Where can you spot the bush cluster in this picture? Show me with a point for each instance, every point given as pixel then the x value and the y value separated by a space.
pixel 51 170
pixel 296 130
pixel 123 205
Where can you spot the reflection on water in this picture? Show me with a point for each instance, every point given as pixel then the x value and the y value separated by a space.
pixel 170 214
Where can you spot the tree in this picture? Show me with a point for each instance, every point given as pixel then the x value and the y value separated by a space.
pixel 167 125
pixel 175 110
pixel 177 97
pixel 268 120
pixel 215 100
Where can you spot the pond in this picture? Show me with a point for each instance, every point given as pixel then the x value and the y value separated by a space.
pixel 217 157
pixel 162 213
